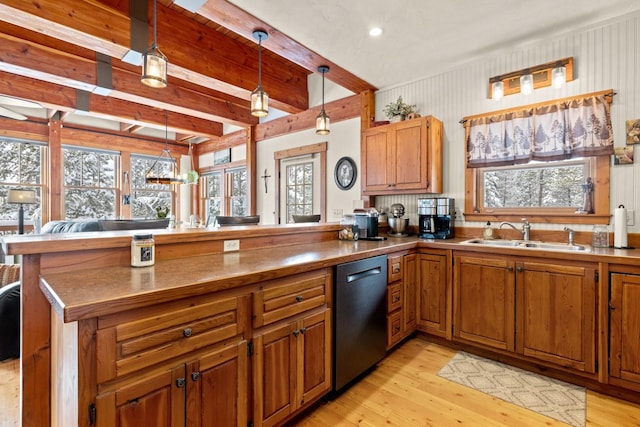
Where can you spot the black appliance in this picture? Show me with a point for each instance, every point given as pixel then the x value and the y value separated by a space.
pixel 435 218
pixel 367 222
pixel 359 318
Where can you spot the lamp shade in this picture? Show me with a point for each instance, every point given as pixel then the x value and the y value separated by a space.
pixel 259 102
pixel 154 68
pixel 21 196
pixel 322 123
pixel 558 77
pixel 497 90
pixel 526 84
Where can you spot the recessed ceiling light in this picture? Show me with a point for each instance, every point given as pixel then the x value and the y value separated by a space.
pixel 375 31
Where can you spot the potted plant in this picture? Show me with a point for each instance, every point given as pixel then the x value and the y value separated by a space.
pixel 398 110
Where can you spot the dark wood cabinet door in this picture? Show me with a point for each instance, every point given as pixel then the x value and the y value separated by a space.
pixel 484 298
pixel 432 294
pixel 556 314
pixel 409 305
pixel 625 328
pixel 156 399
pixel 217 387
pixel 314 366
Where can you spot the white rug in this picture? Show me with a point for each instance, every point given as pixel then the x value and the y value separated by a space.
pixel 556 399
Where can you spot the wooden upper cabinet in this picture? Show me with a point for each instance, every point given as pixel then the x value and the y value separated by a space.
pixel 402 158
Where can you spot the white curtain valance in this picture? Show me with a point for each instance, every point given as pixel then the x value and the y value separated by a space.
pixel 576 127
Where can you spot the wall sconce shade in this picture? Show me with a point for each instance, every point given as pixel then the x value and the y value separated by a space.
pixel 154 63
pixel 322 121
pixel 21 196
pixel 497 90
pixel 559 76
pixel 541 76
pixel 526 83
pixel 259 98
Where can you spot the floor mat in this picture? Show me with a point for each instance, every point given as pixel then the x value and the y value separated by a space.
pixel 556 399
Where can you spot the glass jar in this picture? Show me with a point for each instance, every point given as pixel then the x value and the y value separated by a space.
pixel 600 236
pixel 143 250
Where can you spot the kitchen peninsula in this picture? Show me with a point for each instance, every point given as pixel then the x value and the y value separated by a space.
pixel 116 332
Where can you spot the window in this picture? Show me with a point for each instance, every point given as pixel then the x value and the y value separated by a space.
pixel 299 190
pixel 148 200
pixel 213 200
pixel 226 193
pixel 21 168
pixel 536 185
pixel 238 196
pixel 89 183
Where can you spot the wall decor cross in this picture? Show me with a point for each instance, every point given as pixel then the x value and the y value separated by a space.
pixel 265 176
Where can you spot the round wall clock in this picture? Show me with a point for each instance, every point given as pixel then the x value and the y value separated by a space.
pixel 345 173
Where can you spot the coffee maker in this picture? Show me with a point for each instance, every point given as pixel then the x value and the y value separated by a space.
pixel 367 223
pixel 435 218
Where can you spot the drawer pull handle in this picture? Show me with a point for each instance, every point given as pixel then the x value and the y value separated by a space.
pixel 195 376
pixel 396 268
pixel 299 298
pixel 187 332
pixel 180 382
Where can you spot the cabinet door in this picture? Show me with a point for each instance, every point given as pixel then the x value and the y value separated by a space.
pixel 485 301
pixel 432 294
pixel 407 156
pixel 556 314
pixel 374 159
pixel 155 399
pixel 217 387
pixel 274 374
pixel 314 357
pixel 409 305
pixel 625 327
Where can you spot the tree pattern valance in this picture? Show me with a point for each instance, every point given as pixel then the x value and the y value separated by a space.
pixel 576 127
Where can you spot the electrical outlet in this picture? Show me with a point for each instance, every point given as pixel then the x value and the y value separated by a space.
pixel 630 217
pixel 337 213
pixel 456 214
pixel 231 245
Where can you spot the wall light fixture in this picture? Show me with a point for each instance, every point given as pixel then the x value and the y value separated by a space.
pixel 524 81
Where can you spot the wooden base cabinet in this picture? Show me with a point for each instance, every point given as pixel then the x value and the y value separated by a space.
pixel 624 363
pixel 291 367
pixel 403 157
pixel 540 310
pixel 401 296
pixel 431 295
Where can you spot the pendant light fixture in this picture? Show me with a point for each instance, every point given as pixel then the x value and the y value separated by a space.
pixel 156 173
pixel 154 63
pixel 259 98
pixel 322 121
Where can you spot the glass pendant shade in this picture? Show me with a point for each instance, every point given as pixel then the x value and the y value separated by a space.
pixel 526 84
pixel 259 98
pixel 322 123
pixel 154 68
pixel 558 77
pixel 497 90
pixel 259 102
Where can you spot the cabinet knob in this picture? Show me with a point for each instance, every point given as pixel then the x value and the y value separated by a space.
pixel 396 298
pixel 510 269
pixel 303 330
pixel 296 333
pixel 519 269
pixel 195 376
pixel 395 268
pixel 180 382
pixel 187 332
pixel 299 298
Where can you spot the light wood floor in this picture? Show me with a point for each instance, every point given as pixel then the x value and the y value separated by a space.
pixel 403 391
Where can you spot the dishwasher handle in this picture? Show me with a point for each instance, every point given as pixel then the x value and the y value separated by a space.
pixel 362 274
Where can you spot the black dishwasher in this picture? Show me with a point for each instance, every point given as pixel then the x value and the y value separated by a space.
pixel 359 318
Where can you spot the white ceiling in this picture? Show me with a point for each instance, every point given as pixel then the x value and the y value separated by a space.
pixel 423 38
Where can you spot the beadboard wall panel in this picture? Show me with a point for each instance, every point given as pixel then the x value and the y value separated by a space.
pixel 605 56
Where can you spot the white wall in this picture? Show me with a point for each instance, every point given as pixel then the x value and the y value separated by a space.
pixel 605 57
pixel 344 140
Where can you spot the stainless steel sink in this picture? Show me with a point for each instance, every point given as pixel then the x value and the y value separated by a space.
pixel 529 244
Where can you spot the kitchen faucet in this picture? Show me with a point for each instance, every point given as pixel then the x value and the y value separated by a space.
pixel 572 235
pixel 526 228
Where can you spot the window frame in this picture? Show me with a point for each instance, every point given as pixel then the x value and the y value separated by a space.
pixel 600 169
pixel 153 188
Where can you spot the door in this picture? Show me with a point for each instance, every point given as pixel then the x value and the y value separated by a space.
pixel 407 151
pixel 217 388
pixel 300 186
pixel 156 399
pixel 556 314
pixel 625 327
pixel 432 294
pixel 374 159
pixel 485 301
pixel 409 306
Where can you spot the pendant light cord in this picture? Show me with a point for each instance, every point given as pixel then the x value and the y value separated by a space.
pixel 260 61
pixel 154 45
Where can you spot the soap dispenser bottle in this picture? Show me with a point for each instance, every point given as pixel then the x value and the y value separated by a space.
pixel 487 233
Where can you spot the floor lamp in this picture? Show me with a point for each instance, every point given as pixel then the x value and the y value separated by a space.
pixel 21 197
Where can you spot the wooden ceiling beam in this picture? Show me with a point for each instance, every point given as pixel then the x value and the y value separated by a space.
pixel 196 52
pixel 240 22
